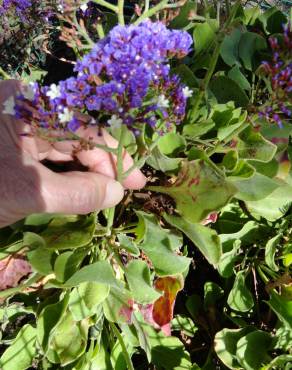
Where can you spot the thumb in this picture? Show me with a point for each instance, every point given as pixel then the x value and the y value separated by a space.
pixel 79 192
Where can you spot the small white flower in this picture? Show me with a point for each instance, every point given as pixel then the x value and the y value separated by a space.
pixel 60 8
pixel 187 92
pixel 54 91
pixel 162 102
pixel 115 122
pixel 84 7
pixel 9 106
pixel 28 91
pixel 66 115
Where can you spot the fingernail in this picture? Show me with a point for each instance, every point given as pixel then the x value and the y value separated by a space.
pixel 113 194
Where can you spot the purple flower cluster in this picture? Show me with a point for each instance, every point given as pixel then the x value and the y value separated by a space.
pixel 124 79
pixel 279 71
pixel 26 11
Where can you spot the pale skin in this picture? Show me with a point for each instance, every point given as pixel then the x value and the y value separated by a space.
pixel 27 186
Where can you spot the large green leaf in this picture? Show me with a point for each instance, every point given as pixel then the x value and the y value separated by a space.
pixel 48 319
pixel 254 188
pixel 118 306
pixel 67 263
pixel 199 190
pixel 160 245
pixel 225 345
pixel 282 307
pixel 68 340
pixel 225 89
pixel 68 232
pixel 171 143
pixel 252 350
pixel 204 34
pixel 138 277
pixel 271 206
pixel 161 162
pixel 21 352
pixel 229 47
pixel 99 272
pixel 240 297
pixel 252 145
pixel 249 44
pixel 41 260
pixel 203 237
pixel 85 299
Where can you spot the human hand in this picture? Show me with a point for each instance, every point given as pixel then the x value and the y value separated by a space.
pixel 27 186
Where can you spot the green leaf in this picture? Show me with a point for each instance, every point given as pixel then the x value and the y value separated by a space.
pixel 128 244
pixel 204 238
pixel 68 340
pixel 270 252
pixel 225 345
pixel 230 128
pixel 249 44
pixel 171 143
pixel 33 240
pixel 212 293
pixel 118 306
pixel 85 299
pixel 67 263
pixel 229 47
pixel 254 188
pixel 198 129
pixel 159 245
pixel 99 272
pixel 236 75
pixel 68 232
pixel 252 145
pixel 184 324
pixel 199 190
pixel 225 90
pixel 242 171
pixel 138 277
pixel 182 19
pixel 20 354
pixel 273 20
pixel 282 307
pixel 41 260
pixel 48 319
pixel 129 139
pixel 252 350
pixel 240 298
pixel 270 207
pixel 161 162
pixel 230 160
pixel 204 34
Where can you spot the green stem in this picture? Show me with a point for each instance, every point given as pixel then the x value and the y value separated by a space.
pixel 207 78
pixel 146 8
pixel 82 31
pixel 214 60
pixel 121 12
pixel 110 220
pixel 123 345
pixel 227 3
pixel 151 11
pixel 99 146
pixel 4 74
pixel 100 30
pixel 107 5
pixel 140 163
pixel 120 155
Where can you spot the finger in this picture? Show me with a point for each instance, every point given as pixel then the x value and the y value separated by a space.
pixel 97 160
pixel 78 192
